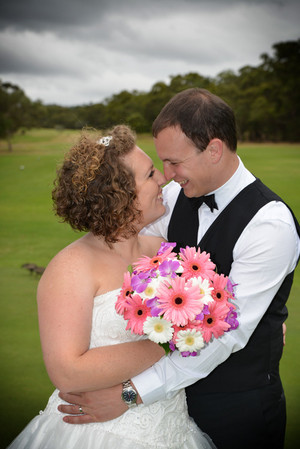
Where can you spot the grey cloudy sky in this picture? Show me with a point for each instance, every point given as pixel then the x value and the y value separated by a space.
pixel 73 52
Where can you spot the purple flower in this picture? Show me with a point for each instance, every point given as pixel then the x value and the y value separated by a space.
pixel 172 346
pixel 168 268
pixel 188 353
pixel 152 273
pixel 164 246
pixel 231 319
pixel 140 281
pixel 205 311
pixel 153 304
pixel 230 287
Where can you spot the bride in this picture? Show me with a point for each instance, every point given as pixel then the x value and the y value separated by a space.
pixel 110 189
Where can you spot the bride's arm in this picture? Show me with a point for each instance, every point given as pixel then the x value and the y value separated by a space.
pixel 65 305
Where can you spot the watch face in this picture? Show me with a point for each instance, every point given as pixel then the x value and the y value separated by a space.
pixel 129 396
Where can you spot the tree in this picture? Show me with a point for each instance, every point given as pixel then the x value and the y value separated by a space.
pixel 14 111
pixel 182 82
pixel 285 69
pixel 254 106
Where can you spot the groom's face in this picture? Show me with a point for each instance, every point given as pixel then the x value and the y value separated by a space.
pixel 185 163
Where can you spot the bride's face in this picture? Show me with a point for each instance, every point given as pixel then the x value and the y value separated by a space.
pixel 149 182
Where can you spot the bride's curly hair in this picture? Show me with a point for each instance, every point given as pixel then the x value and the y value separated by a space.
pixel 94 190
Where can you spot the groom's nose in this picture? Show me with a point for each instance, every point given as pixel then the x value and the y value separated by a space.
pixel 168 171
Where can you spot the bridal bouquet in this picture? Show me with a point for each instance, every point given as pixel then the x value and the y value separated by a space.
pixel 177 300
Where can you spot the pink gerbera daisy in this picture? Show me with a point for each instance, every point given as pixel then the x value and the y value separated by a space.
pixel 195 263
pixel 136 313
pixel 177 302
pixel 126 290
pixel 219 292
pixel 213 323
pixel 146 263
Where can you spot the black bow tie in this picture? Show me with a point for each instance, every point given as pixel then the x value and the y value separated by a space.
pixel 207 199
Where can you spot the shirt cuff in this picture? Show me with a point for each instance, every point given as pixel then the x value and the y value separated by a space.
pixel 149 386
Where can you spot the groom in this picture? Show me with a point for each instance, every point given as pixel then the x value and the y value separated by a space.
pixel 233 387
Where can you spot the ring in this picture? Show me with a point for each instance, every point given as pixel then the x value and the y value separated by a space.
pixel 80 410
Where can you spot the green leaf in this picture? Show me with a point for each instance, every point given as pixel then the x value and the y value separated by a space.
pixel 166 347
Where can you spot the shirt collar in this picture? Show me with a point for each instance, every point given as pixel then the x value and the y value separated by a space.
pixel 238 181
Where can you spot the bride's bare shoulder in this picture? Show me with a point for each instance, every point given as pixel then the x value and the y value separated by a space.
pixel 76 256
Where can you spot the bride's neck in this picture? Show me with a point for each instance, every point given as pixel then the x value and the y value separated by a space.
pixel 128 249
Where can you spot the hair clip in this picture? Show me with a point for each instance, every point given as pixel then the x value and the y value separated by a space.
pixel 105 140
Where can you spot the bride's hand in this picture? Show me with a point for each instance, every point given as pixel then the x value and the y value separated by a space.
pixel 283 332
pixel 93 406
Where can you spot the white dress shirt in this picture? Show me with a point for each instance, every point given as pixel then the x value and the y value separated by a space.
pixel 265 253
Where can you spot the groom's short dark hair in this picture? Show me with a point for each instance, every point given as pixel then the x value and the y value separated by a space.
pixel 201 115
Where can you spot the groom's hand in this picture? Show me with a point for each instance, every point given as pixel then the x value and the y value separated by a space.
pixel 96 406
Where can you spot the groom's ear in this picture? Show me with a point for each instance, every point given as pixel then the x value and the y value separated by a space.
pixel 215 148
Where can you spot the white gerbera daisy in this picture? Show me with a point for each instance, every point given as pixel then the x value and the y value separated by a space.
pixel 158 329
pixel 150 291
pixel 189 340
pixel 205 289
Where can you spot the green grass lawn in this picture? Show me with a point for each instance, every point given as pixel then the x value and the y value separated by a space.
pixel 29 232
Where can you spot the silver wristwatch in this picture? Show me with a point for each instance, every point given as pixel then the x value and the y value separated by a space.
pixel 129 395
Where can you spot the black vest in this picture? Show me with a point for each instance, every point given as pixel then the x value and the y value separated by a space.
pixel 258 363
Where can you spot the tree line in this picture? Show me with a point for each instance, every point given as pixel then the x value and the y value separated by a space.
pixel 266 101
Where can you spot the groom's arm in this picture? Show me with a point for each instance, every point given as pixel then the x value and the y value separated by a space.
pixel 259 268
pixel 100 405
pixel 257 284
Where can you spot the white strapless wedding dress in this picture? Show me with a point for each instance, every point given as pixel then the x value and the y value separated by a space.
pixel 164 424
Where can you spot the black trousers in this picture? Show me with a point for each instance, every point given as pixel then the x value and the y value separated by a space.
pixel 243 420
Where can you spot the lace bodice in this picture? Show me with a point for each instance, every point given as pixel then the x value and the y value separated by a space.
pixel 109 328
